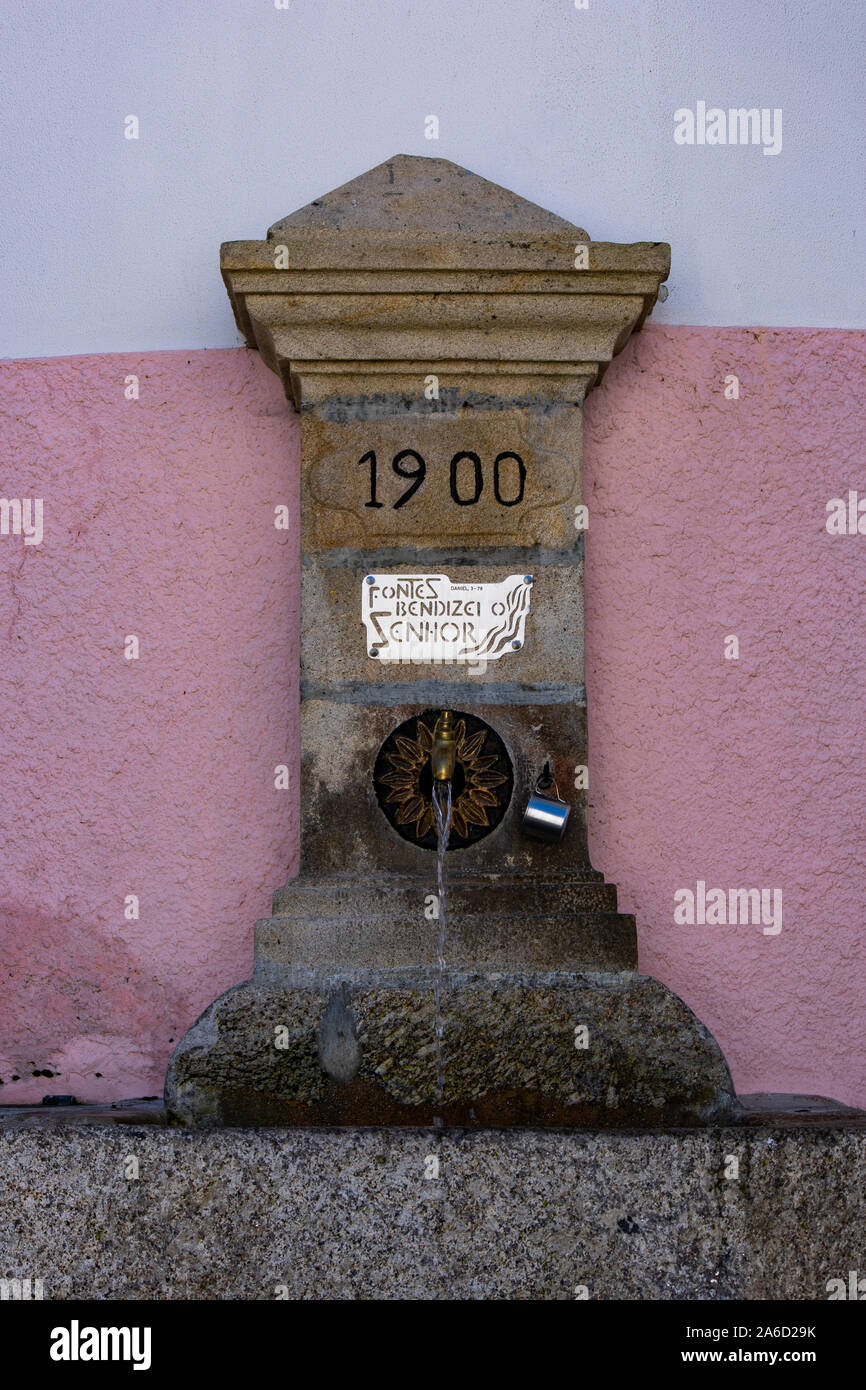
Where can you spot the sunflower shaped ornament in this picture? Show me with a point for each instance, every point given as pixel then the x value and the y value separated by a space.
pixel 481 785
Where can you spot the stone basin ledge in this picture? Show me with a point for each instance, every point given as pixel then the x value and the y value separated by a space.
pixel 514 1214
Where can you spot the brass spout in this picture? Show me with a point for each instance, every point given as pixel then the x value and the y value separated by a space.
pixel 444 752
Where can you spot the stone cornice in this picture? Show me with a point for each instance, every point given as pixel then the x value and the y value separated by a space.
pixel 356 295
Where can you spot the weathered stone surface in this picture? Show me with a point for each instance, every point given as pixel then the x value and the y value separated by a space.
pixel 508 1052
pixel 492 923
pixel 419 203
pixel 343 829
pixel 542 941
pixel 347 1019
pixel 488 297
pixel 496 894
pixel 334 646
pixel 336 475
pixel 342 1214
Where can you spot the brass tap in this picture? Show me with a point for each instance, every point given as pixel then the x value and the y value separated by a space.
pixel 444 752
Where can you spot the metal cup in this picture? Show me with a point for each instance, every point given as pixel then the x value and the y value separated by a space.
pixel 545 818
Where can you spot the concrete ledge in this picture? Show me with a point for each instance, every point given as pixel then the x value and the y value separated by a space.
pixel 334 1214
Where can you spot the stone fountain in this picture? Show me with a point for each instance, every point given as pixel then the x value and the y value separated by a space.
pixel 438 335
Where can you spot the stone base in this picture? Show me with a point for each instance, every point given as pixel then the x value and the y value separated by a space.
pixel 348 1214
pixel 361 1048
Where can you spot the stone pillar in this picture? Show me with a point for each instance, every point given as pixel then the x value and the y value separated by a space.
pixel 438 335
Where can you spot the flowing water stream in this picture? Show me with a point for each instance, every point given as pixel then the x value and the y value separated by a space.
pixel 442 819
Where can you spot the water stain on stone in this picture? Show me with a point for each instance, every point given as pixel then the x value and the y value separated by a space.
pixel 339 1052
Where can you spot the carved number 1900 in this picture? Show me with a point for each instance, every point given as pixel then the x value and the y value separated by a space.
pixel 466 477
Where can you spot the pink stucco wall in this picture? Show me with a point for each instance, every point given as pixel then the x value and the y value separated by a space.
pixel 155 777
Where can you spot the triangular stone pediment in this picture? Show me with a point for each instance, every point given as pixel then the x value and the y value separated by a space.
pixel 413 195
pixel 420 261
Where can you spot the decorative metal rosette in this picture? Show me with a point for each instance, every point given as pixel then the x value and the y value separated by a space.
pixel 481 787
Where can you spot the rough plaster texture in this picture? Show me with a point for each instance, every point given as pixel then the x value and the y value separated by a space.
pixel 707 519
pixel 155 777
pixel 262 1214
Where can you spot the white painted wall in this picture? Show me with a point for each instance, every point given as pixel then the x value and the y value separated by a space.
pixel 248 111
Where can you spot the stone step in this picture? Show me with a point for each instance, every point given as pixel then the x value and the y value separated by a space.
pixel 358 897
pixel 390 939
